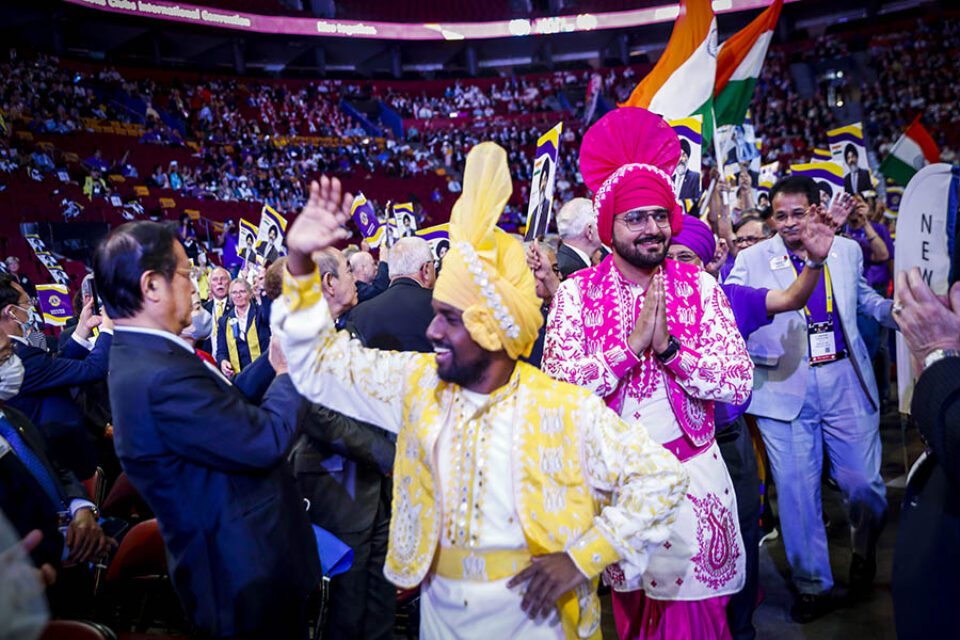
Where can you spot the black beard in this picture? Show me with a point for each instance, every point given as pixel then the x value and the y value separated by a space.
pixel 629 251
pixel 463 375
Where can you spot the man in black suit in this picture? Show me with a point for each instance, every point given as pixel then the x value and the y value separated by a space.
pixel 857 179
pixel 341 465
pixel 210 464
pixel 686 182
pixel 927 557
pixel 35 490
pixel 398 318
pixel 577 225
pixel 45 393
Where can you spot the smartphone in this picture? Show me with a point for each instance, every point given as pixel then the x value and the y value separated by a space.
pixel 95 296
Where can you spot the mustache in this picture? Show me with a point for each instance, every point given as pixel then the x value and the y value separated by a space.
pixel 657 238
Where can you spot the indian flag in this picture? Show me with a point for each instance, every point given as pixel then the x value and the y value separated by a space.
pixel 681 83
pixel 913 151
pixel 738 66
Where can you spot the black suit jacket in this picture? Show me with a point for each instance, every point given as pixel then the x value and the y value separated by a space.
pixel 397 319
pixel 340 464
pixel 690 189
pixel 927 558
pixel 46 399
pixel 379 284
pixel 863 181
pixel 569 261
pixel 211 466
pixel 23 499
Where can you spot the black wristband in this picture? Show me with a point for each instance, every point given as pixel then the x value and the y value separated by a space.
pixel 673 347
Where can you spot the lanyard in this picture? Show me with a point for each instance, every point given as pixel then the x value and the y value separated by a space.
pixel 829 286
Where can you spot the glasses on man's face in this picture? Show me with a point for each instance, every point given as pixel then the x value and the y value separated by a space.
pixel 748 241
pixel 637 220
pixel 684 256
pixel 186 272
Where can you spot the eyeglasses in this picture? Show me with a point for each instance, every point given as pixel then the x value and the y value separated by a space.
pixel 637 220
pixel 186 272
pixel 747 241
pixel 684 256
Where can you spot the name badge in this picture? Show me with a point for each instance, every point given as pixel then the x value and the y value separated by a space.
pixel 823 346
pixel 779 262
pixel 4 447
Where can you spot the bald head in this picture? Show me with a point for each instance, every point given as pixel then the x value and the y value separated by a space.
pixel 219 283
pixel 363 265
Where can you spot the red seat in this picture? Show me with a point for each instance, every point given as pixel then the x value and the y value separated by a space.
pixel 141 553
pixel 76 630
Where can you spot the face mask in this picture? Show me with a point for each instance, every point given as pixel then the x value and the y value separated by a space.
pixel 33 320
pixel 202 325
pixel 11 377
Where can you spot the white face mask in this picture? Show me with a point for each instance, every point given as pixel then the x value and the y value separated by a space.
pixel 33 320
pixel 11 377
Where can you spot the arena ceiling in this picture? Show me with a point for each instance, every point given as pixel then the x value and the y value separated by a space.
pixel 89 33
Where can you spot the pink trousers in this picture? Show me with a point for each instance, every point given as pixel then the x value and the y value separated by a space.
pixel 641 618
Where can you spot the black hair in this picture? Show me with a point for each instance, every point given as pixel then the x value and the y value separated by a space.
pixel 850 148
pixel 124 256
pixel 8 295
pixel 797 184
pixel 825 187
pixel 685 146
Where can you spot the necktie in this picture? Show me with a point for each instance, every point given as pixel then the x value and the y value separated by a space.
pixel 30 460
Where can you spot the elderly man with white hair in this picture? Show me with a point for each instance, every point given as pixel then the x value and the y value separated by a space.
pixel 397 319
pixel 577 225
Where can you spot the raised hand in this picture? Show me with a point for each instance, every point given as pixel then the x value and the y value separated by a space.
pixel 719 258
pixel 542 268
pixel 840 209
pixel 817 233
pixel 319 225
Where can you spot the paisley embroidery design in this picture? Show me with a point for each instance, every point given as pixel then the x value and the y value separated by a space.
pixel 716 561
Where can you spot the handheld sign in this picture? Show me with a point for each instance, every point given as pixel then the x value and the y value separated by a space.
pixel 926 238
pixel 541 186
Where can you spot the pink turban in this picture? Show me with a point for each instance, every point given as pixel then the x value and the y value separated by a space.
pixel 626 159
pixel 697 237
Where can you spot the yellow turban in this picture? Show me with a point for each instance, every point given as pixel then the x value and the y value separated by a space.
pixel 485 273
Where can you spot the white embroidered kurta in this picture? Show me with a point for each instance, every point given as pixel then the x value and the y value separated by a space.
pixel 703 557
pixel 459 608
pixel 330 369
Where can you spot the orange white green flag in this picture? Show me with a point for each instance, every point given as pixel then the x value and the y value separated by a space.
pixel 913 151
pixel 681 83
pixel 738 66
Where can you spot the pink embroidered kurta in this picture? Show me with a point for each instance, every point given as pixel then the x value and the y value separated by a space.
pixel 586 343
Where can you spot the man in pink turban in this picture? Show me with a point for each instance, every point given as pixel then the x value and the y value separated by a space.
pixel 656 339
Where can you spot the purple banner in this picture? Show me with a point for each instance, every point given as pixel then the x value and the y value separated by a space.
pixel 55 304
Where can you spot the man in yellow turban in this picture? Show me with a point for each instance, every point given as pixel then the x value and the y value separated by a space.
pixel 512 491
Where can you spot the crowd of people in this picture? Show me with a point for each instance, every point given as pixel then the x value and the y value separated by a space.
pixel 504 427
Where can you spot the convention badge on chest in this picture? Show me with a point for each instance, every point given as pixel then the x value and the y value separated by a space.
pixel 823 346
pixel 779 262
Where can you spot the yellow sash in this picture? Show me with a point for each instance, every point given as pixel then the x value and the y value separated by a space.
pixel 253 341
